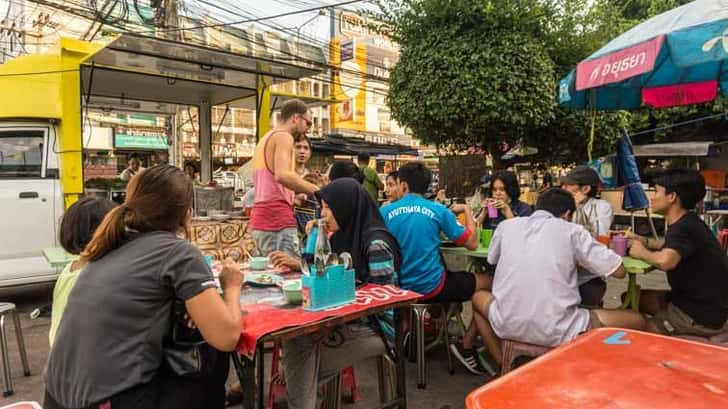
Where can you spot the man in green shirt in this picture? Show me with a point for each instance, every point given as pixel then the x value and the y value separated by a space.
pixel 372 183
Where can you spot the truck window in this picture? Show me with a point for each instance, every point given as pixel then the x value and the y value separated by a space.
pixel 21 154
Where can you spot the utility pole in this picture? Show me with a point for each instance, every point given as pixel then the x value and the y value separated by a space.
pixel 168 17
pixel 332 50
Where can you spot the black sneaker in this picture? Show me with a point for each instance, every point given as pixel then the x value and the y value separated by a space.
pixel 467 358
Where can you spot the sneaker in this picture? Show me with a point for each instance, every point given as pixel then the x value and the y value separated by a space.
pixel 467 358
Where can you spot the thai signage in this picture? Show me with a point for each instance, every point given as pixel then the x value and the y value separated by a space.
pixel 128 138
pixel 618 66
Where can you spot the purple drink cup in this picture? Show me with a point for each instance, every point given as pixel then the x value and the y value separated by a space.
pixel 492 211
pixel 620 245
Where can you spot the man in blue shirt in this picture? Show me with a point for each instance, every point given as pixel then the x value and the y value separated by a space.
pixel 416 223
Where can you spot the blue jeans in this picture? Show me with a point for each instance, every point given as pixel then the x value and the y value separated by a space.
pixel 285 240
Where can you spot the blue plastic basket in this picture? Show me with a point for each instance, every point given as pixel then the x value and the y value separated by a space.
pixel 333 289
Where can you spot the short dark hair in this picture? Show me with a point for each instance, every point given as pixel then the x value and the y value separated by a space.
pixel 556 201
pixel 417 177
pixel 393 174
pixel 688 184
pixel 81 220
pixel 363 157
pixel 510 181
pixel 593 192
pixel 345 169
pixel 293 107
pixel 304 138
pixel 133 156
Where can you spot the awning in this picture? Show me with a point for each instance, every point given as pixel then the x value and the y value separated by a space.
pixel 673 149
pixel 277 99
pixel 143 68
pixel 340 145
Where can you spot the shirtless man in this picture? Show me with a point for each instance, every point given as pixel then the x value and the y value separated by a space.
pixel 276 182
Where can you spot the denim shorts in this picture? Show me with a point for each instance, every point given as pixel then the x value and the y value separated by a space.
pixel 285 240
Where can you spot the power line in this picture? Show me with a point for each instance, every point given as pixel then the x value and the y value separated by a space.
pixel 328 45
pixel 20 74
pixel 294 58
pixel 254 20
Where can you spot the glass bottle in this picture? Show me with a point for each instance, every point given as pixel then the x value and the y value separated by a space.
pixel 322 255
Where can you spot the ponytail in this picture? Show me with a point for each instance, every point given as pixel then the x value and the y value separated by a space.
pixel 108 236
pixel 157 199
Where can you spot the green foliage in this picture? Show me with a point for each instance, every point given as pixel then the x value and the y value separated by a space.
pixel 471 72
pixel 465 92
pixel 482 72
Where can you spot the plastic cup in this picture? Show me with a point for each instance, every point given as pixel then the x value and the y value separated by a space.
pixel 492 211
pixel 486 235
pixel 620 245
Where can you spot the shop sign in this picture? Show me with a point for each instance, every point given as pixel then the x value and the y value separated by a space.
pixel 347 51
pixel 133 139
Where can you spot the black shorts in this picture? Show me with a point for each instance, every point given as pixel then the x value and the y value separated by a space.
pixel 459 286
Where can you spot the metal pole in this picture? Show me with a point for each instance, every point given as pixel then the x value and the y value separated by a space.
pixel 205 123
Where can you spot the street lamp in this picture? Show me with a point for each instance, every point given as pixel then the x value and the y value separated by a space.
pixel 320 13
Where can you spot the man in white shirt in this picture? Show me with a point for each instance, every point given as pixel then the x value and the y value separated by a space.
pixel 535 297
pixel 596 215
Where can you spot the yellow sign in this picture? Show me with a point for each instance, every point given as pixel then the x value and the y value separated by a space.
pixel 349 86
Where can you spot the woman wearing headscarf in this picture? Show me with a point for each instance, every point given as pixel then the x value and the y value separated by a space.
pixel 357 227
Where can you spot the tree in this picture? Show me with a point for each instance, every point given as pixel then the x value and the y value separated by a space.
pixel 475 73
pixel 470 73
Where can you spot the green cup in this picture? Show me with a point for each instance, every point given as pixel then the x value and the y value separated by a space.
pixel 486 235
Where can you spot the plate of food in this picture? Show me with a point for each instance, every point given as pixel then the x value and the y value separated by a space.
pixel 201 219
pixel 263 279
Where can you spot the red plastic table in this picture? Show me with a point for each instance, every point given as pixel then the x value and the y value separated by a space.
pixel 615 369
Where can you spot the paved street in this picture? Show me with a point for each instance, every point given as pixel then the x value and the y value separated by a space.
pixel 443 390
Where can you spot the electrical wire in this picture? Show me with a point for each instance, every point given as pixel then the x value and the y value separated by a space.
pixel 253 20
pixel 20 74
pixel 292 56
pixel 327 44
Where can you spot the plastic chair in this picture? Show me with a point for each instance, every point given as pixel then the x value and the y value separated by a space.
pixel 514 349
pixel 723 239
pixel 5 309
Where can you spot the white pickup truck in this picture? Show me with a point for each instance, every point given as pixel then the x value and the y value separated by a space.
pixel 31 201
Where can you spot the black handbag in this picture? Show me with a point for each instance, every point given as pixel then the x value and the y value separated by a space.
pixel 186 353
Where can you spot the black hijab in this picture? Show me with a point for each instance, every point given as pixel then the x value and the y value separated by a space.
pixel 360 223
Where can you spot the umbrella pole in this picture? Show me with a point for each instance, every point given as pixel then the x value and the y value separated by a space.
pixel 652 224
pixel 631 215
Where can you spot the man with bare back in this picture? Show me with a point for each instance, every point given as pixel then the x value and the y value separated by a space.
pixel 276 182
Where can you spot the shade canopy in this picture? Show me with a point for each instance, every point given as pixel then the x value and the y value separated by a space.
pixel 143 68
pixel 675 58
pixel 338 144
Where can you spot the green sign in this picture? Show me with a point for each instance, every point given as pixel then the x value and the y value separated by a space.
pixel 152 142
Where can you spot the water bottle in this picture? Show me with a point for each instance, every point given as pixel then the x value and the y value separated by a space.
pixel 308 250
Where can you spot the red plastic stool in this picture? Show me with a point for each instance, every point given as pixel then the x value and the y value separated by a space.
pixel 723 239
pixel 349 382
pixel 514 349
pixel 277 386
